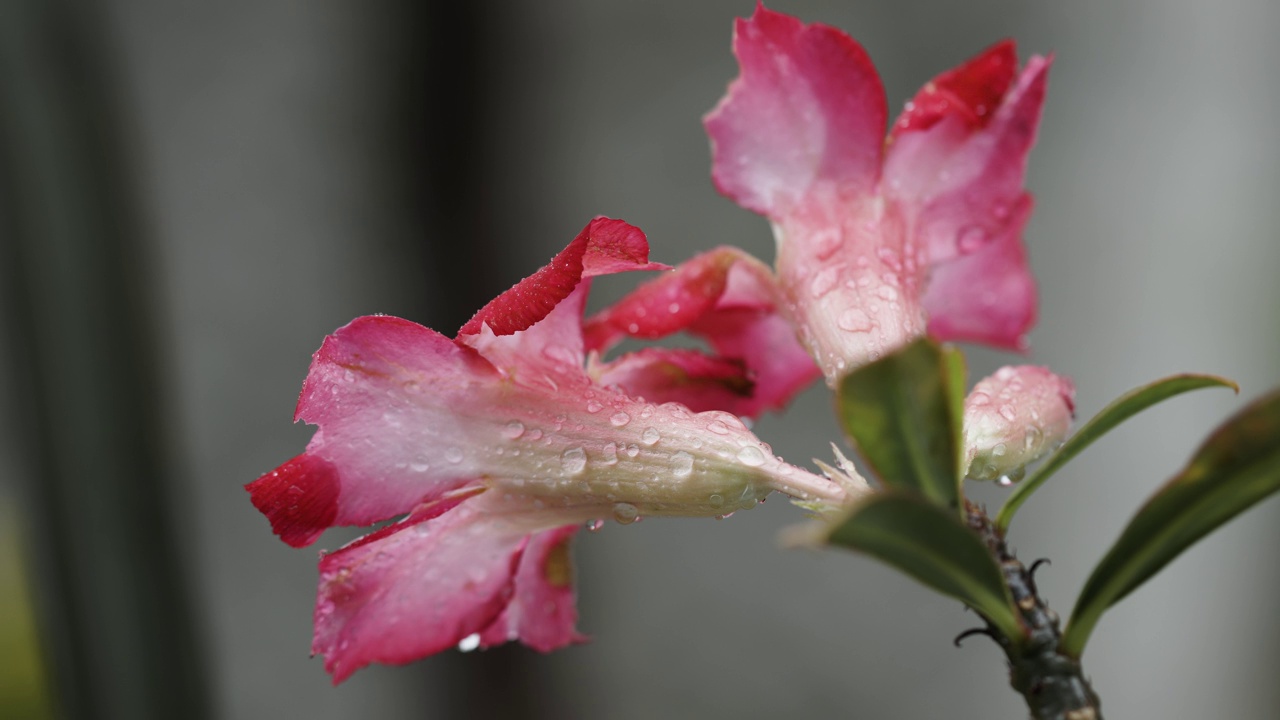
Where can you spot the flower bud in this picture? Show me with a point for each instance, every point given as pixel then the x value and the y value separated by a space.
pixel 1013 418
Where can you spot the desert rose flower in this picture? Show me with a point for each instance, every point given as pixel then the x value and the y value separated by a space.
pixel 1013 418
pixel 880 241
pixel 493 448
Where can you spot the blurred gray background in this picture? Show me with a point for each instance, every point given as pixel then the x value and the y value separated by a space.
pixel 291 165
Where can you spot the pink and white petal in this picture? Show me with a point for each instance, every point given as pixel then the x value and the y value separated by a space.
pixel 543 612
pixel 547 354
pixel 989 296
pixel 603 247
pixel 416 590
pixel 727 297
pixel 689 377
pixel 766 342
pixel 959 184
pixel 971 91
pixel 400 409
pixel 668 303
pixel 807 109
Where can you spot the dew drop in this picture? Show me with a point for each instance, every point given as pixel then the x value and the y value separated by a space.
pixel 827 242
pixel 681 464
pixel 594 525
pixel 453 455
pixel 716 501
pixel 594 406
pixel 469 643
pixel 1008 413
pixel 751 455
pixel 979 398
pixel 718 427
pixel 971 239
pixel 535 434
pixel 854 320
pixel 611 454
pixel 824 282
pixel 625 513
pixel 420 466
pixel 999 450
pixel 513 430
pixel 633 450
pixel 619 419
pixel 1032 438
pixel 574 460
pixel 650 436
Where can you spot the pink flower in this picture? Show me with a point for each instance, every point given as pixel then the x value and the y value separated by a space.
pixel 497 445
pixel 1013 418
pixel 882 240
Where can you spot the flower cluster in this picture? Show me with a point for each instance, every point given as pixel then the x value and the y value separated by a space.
pixel 493 447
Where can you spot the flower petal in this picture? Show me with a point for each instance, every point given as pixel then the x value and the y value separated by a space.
pixel 988 296
pixel 1014 417
pixel 416 590
pixel 692 378
pixel 604 246
pixel 971 91
pixel 807 109
pixel 390 398
pixel 728 298
pixel 959 180
pixel 543 612
pixel 300 498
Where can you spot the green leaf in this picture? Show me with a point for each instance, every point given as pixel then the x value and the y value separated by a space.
pixel 1238 466
pixel 901 412
pixel 1120 409
pixel 932 545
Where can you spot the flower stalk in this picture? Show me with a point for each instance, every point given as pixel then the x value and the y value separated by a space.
pixel 1053 684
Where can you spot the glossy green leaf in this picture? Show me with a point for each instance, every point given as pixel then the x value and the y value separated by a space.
pixel 932 545
pixel 1120 409
pixel 1238 466
pixel 901 413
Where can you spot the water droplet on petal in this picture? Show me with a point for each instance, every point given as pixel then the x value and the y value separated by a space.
pixel 633 450
pixel 716 501
pixel 970 239
pixel 650 436
pixel 718 427
pixel 611 454
pixel 513 430
pixel 574 460
pixel 594 406
pixel 681 464
pixel 673 308
pixel 999 450
pixel 420 465
pixel 625 513
pixel 824 282
pixel 751 455
pixel 827 242
pixel 594 525
pixel 1008 413
pixel 619 419
pixel 469 643
pixel 453 455
pixel 854 320
pixel 1033 437
pixel 979 398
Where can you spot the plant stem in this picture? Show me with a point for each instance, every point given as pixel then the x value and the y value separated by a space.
pixel 1053 684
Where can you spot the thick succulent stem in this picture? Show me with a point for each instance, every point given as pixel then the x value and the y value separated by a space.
pixel 1053 684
